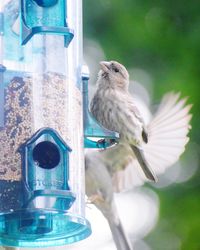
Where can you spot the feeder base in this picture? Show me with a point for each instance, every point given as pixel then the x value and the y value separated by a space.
pixel 41 228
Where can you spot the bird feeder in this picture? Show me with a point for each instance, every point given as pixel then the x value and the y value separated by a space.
pixel 42 197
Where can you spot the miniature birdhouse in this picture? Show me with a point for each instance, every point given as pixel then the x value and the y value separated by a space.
pixel 45 169
pixel 42 195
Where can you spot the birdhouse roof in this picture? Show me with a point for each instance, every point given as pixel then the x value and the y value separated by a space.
pixel 53 133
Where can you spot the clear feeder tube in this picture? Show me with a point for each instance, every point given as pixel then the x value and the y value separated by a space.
pixel 42 196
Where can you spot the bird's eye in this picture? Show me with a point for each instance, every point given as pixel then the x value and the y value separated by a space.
pixel 116 70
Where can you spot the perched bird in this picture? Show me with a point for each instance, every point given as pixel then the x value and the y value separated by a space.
pixel 114 107
pixel 154 146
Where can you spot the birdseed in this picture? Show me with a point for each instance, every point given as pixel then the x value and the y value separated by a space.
pixel 30 103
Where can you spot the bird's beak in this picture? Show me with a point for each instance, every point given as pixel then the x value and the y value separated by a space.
pixel 105 66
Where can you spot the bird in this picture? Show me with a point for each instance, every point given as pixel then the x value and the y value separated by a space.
pixel 113 107
pixel 100 192
pixel 154 146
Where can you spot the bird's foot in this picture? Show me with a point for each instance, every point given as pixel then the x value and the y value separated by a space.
pixel 104 143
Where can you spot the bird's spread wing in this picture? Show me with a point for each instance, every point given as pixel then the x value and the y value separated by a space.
pixel 167 139
pixel 168 132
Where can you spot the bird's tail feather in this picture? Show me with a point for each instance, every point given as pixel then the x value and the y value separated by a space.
pixel 119 235
pixel 143 163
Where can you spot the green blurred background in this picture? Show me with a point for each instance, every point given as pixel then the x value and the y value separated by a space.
pixel 163 39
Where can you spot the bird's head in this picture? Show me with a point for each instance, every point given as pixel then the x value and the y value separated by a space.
pixel 114 74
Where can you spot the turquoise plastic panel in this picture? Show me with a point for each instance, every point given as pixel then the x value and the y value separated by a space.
pixel 44 17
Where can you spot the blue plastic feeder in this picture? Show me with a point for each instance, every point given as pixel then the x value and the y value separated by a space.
pixel 42 198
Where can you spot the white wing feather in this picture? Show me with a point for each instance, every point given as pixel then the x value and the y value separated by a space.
pixel 168 132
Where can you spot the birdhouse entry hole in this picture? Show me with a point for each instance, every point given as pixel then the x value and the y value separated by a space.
pixel 46 154
pixel 46 3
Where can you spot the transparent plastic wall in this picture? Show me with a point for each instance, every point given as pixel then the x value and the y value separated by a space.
pixel 41 123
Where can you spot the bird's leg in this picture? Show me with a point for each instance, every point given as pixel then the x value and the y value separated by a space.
pixel 101 143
